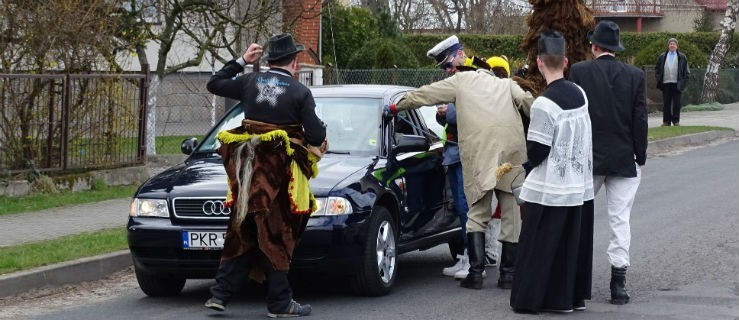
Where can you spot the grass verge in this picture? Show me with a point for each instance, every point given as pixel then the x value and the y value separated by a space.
pixel 10 205
pixel 66 248
pixel 659 133
pixel 711 106
pixel 171 144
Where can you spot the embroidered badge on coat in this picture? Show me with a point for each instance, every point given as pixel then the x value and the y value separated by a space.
pixel 269 90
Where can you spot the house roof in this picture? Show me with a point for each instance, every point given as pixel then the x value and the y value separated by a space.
pixel 712 4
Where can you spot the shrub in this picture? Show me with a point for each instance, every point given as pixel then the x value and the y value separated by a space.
pixel 649 54
pixel 43 184
pixel 98 184
pixel 383 53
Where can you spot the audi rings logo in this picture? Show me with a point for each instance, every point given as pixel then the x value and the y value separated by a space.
pixel 215 208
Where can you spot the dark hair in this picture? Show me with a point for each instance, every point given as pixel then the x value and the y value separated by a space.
pixel 284 61
pixel 604 49
pixel 552 61
pixel 500 72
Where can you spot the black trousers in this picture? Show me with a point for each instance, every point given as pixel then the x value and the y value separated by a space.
pixel 232 274
pixel 671 103
pixel 554 265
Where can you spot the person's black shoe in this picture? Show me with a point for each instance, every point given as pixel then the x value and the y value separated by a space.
pixel 215 304
pixel 619 295
pixel 579 305
pixel 293 310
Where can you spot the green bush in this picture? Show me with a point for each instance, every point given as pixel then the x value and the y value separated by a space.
pixel 696 45
pixel 383 53
pixel 98 184
pixel 649 54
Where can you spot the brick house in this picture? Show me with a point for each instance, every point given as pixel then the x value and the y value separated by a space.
pixel 657 15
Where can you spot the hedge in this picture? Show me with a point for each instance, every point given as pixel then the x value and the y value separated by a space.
pixel 489 45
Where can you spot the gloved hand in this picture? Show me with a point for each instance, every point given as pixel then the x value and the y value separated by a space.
pixel 389 111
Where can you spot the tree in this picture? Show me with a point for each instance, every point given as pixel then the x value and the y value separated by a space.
pixel 345 31
pixel 40 37
pixel 728 25
pixel 195 27
pixel 455 16
pixel 570 17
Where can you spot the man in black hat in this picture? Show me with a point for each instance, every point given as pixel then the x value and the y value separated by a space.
pixel 555 250
pixel 618 112
pixel 280 129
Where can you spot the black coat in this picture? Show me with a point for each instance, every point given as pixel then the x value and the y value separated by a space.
pixel 683 73
pixel 272 97
pixel 618 113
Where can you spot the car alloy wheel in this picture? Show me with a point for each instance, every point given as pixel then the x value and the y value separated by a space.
pixel 386 253
pixel 378 269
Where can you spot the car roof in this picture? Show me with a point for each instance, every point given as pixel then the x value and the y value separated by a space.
pixel 358 90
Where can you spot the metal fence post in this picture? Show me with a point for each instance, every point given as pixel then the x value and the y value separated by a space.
pixel 143 97
pixel 67 91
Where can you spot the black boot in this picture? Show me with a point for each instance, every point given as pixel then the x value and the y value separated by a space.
pixel 507 265
pixel 618 286
pixel 476 253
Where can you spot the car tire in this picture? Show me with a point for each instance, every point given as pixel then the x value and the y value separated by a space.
pixel 155 286
pixel 456 247
pixel 379 266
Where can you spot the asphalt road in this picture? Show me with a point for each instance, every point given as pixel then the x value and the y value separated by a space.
pixel 685 258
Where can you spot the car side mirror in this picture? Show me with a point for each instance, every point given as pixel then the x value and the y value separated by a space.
pixel 188 145
pixel 409 143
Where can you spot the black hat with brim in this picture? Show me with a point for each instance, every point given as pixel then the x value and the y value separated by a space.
pixel 281 46
pixel 607 36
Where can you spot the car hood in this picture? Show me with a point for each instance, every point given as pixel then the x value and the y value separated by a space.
pixel 205 177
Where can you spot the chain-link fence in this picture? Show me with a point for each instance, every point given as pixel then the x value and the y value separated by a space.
pixel 728 82
pixel 403 77
pixel 185 107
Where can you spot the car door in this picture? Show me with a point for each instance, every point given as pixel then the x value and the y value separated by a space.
pixel 423 181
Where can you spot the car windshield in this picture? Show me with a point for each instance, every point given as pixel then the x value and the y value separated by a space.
pixel 352 125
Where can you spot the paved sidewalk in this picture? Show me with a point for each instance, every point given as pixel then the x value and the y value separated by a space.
pixel 53 223
pixel 57 222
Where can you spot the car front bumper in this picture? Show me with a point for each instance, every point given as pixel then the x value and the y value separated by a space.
pixel 328 242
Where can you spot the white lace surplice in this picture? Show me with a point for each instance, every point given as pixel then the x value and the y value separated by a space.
pixel 565 177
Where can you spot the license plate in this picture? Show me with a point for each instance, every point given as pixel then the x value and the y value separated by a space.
pixel 203 240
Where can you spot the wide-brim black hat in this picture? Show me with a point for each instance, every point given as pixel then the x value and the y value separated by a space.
pixel 607 36
pixel 281 46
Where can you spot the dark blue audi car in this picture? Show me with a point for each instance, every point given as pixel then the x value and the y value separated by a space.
pixel 381 191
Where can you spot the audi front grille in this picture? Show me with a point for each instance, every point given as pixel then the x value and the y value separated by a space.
pixel 200 208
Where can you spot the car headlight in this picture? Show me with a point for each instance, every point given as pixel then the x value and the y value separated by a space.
pixel 332 206
pixel 149 208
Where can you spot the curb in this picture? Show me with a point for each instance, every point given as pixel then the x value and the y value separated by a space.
pixel 691 140
pixel 70 272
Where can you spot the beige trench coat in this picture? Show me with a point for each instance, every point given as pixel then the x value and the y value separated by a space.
pixel 489 126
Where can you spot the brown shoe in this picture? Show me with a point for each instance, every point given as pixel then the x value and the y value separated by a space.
pixel 676 124
pixel 665 124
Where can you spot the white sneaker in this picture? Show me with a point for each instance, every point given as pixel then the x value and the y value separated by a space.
pixel 461 274
pixel 462 263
